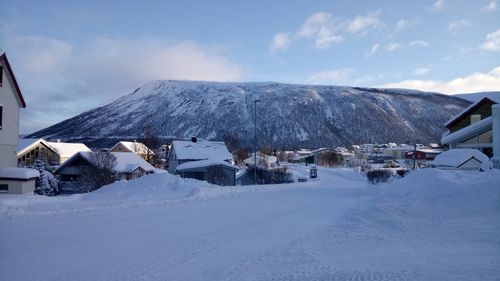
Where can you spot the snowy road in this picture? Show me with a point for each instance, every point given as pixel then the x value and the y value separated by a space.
pixel 312 232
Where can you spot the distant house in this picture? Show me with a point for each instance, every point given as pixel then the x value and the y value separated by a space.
pixel 462 159
pixel 203 160
pixel 472 128
pixel 422 154
pixel 135 147
pixel 263 160
pixel 12 179
pixel 128 166
pixel 55 153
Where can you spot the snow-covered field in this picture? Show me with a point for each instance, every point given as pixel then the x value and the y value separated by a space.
pixel 430 225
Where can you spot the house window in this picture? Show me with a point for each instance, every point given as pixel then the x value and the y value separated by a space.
pixel 4 188
pixel 475 118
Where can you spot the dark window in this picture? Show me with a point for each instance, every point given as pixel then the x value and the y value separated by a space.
pixel 4 187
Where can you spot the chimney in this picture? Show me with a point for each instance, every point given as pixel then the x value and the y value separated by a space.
pixel 194 139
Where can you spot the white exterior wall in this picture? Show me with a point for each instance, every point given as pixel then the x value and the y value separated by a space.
pixel 495 110
pixel 9 133
pixel 19 187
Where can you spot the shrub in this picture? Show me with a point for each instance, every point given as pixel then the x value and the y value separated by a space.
pixel 378 176
pixel 271 176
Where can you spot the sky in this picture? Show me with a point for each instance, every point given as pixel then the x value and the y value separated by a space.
pixel 72 56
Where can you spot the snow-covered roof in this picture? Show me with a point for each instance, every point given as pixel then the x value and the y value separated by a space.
pixel 127 162
pixel 454 158
pixel 18 173
pixel 26 144
pixel 203 163
pixel 66 149
pixel 133 146
pixel 468 131
pixel 201 150
pixel 473 105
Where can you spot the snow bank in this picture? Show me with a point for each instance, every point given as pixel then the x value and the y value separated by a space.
pixel 454 158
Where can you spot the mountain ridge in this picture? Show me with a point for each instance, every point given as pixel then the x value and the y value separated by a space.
pixel 288 115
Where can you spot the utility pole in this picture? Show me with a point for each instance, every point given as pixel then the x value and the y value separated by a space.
pixel 255 142
pixel 414 156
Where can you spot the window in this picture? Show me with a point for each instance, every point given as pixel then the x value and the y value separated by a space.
pixel 1 76
pixel 475 118
pixel 4 188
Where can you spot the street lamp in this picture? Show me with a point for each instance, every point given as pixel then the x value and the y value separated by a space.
pixel 255 142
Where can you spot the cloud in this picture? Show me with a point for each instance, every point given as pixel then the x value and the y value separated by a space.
pixel 322 28
pixel 362 24
pixel 454 25
pixel 492 42
pixel 60 79
pixel 491 6
pixel 421 71
pixel 331 77
pixel 373 50
pixel 438 5
pixel 418 43
pixel 393 47
pixel 401 24
pixel 326 30
pixel 281 41
pixel 475 82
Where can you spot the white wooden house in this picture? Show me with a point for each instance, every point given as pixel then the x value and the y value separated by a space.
pixel 12 179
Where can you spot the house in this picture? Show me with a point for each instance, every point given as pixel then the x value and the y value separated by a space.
pixel 12 179
pixel 263 160
pixel 54 153
pixel 462 159
pixel 30 150
pixel 203 160
pixel 425 154
pixel 128 166
pixel 477 127
pixel 135 147
pixel 17 180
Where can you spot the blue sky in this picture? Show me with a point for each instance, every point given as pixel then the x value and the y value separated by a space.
pixel 71 56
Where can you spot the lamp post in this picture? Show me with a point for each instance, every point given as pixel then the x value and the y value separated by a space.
pixel 255 142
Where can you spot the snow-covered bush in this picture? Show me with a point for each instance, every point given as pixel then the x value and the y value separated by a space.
pixel 46 183
pixel 378 176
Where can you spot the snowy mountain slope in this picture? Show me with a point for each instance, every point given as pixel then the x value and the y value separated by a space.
pixel 288 116
pixel 473 97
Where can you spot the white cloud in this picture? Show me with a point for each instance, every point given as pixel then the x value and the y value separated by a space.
pixel 331 77
pixel 373 50
pixel 491 6
pixel 322 28
pixel 326 30
pixel 454 25
pixel 401 24
pixel 475 82
pixel 362 24
pixel 418 43
pixel 66 79
pixel 421 71
pixel 492 42
pixel 438 5
pixel 393 47
pixel 281 41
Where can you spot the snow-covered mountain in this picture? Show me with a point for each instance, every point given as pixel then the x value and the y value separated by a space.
pixel 288 116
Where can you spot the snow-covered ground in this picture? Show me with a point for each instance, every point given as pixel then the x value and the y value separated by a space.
pixel 430 225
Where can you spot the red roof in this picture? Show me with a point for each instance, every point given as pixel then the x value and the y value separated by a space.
pixel 16 86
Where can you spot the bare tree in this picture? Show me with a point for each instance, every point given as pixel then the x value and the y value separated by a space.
pixel 100 172
pixel 149 137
